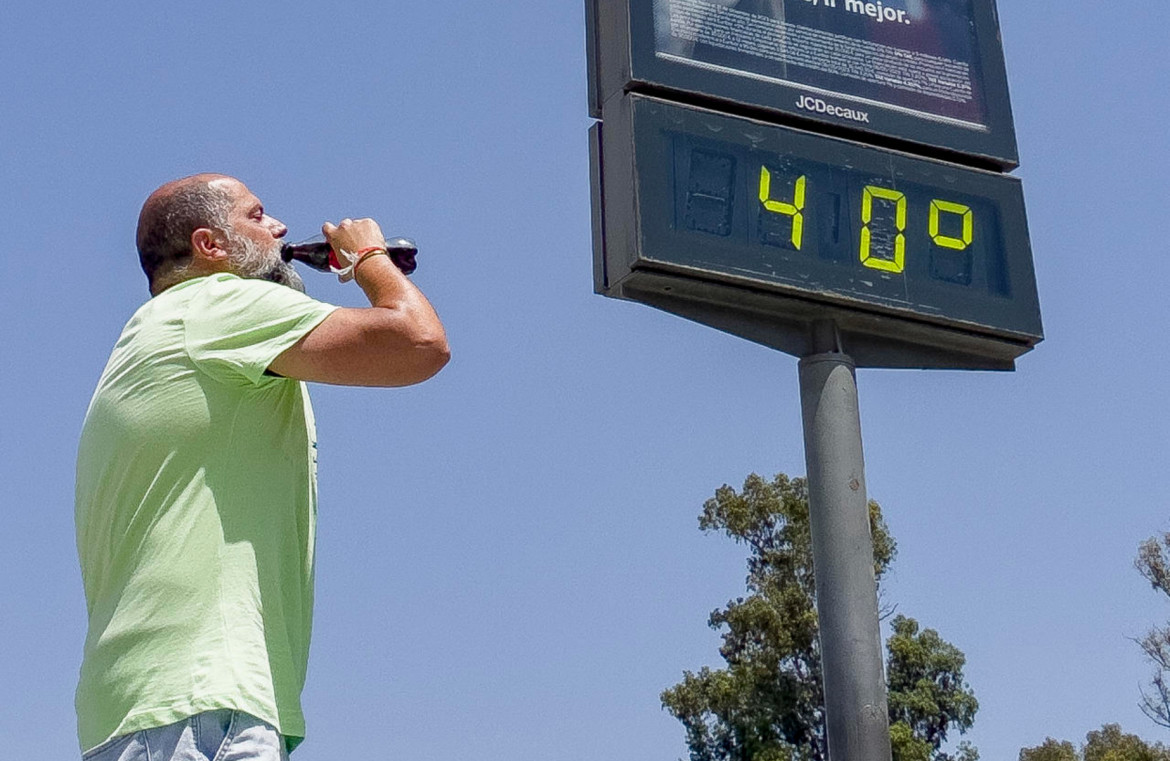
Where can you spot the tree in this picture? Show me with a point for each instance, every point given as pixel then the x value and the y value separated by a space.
pixel 927 694
pixel 1051 750
pixel 1109 743
pixel 1153 562
pixel 767 704
pixel 1105 744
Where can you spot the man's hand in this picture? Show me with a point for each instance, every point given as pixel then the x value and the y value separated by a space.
pixel 353 235
pixel 397 341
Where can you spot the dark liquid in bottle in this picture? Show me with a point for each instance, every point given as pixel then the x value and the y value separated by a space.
pixel 316 254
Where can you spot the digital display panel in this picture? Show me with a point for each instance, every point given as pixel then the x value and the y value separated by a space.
pixel 926 76
pixel 887 238
pixel 740 201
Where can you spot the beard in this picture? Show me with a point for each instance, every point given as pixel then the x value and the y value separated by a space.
pixel 251 260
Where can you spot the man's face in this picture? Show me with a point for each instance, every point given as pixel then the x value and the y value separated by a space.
pixel 254 240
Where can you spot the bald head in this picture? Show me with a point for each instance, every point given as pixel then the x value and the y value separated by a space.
pixel 172 213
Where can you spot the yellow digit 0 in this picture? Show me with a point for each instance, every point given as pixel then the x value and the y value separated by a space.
pixel 898 263
pixel 794 209
pixel 937 209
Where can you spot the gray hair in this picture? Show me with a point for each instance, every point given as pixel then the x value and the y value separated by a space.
pixel 169 218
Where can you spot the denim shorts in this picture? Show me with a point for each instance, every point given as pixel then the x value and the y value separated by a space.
pixel 224 735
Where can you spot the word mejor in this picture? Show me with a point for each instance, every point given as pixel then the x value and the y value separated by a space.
pixel 873 10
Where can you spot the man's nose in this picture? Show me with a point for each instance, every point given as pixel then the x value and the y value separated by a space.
pixel 278 229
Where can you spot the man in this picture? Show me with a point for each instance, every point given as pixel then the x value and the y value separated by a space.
pixel 196 475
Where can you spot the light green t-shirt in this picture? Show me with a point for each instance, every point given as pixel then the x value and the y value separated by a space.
pixel 196 513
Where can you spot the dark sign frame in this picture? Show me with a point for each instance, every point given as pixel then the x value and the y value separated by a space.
pixel 638 257
pixel 623 57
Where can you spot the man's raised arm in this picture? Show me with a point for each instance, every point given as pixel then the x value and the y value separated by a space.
pixel 397 341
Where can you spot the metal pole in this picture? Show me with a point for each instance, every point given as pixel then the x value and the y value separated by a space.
pixel 856 711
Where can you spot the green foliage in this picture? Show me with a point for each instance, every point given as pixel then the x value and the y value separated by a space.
pixel 1051 750
pixel 926 688
pixel 905 746
pixel 1153 562
pixel 1106 744
pixel 768 702
pixel 767 705
pixel 1109 743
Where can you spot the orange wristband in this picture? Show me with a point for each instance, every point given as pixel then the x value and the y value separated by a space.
pixel 366 253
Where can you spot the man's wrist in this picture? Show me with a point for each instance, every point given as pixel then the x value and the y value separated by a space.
pixel 375 274
pixel 366 253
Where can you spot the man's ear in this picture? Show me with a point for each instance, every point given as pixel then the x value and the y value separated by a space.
pixel 208 244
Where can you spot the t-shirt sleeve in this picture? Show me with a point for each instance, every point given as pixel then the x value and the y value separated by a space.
pixel 234 328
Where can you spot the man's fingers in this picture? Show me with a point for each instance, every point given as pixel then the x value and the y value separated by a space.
pixel 353 234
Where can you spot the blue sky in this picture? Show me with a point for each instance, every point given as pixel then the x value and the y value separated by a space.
pixel 509 559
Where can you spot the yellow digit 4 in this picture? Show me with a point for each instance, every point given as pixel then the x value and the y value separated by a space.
pixel 794 209
pixel 898 263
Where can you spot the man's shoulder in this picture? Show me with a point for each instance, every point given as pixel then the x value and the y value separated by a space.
pixel 205 305
pixel 237 326
pixel 220 282
pixel 227 292
pixel 225 282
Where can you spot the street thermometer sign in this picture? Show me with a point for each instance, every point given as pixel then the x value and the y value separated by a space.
pixel 764 165
pixel 825 177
